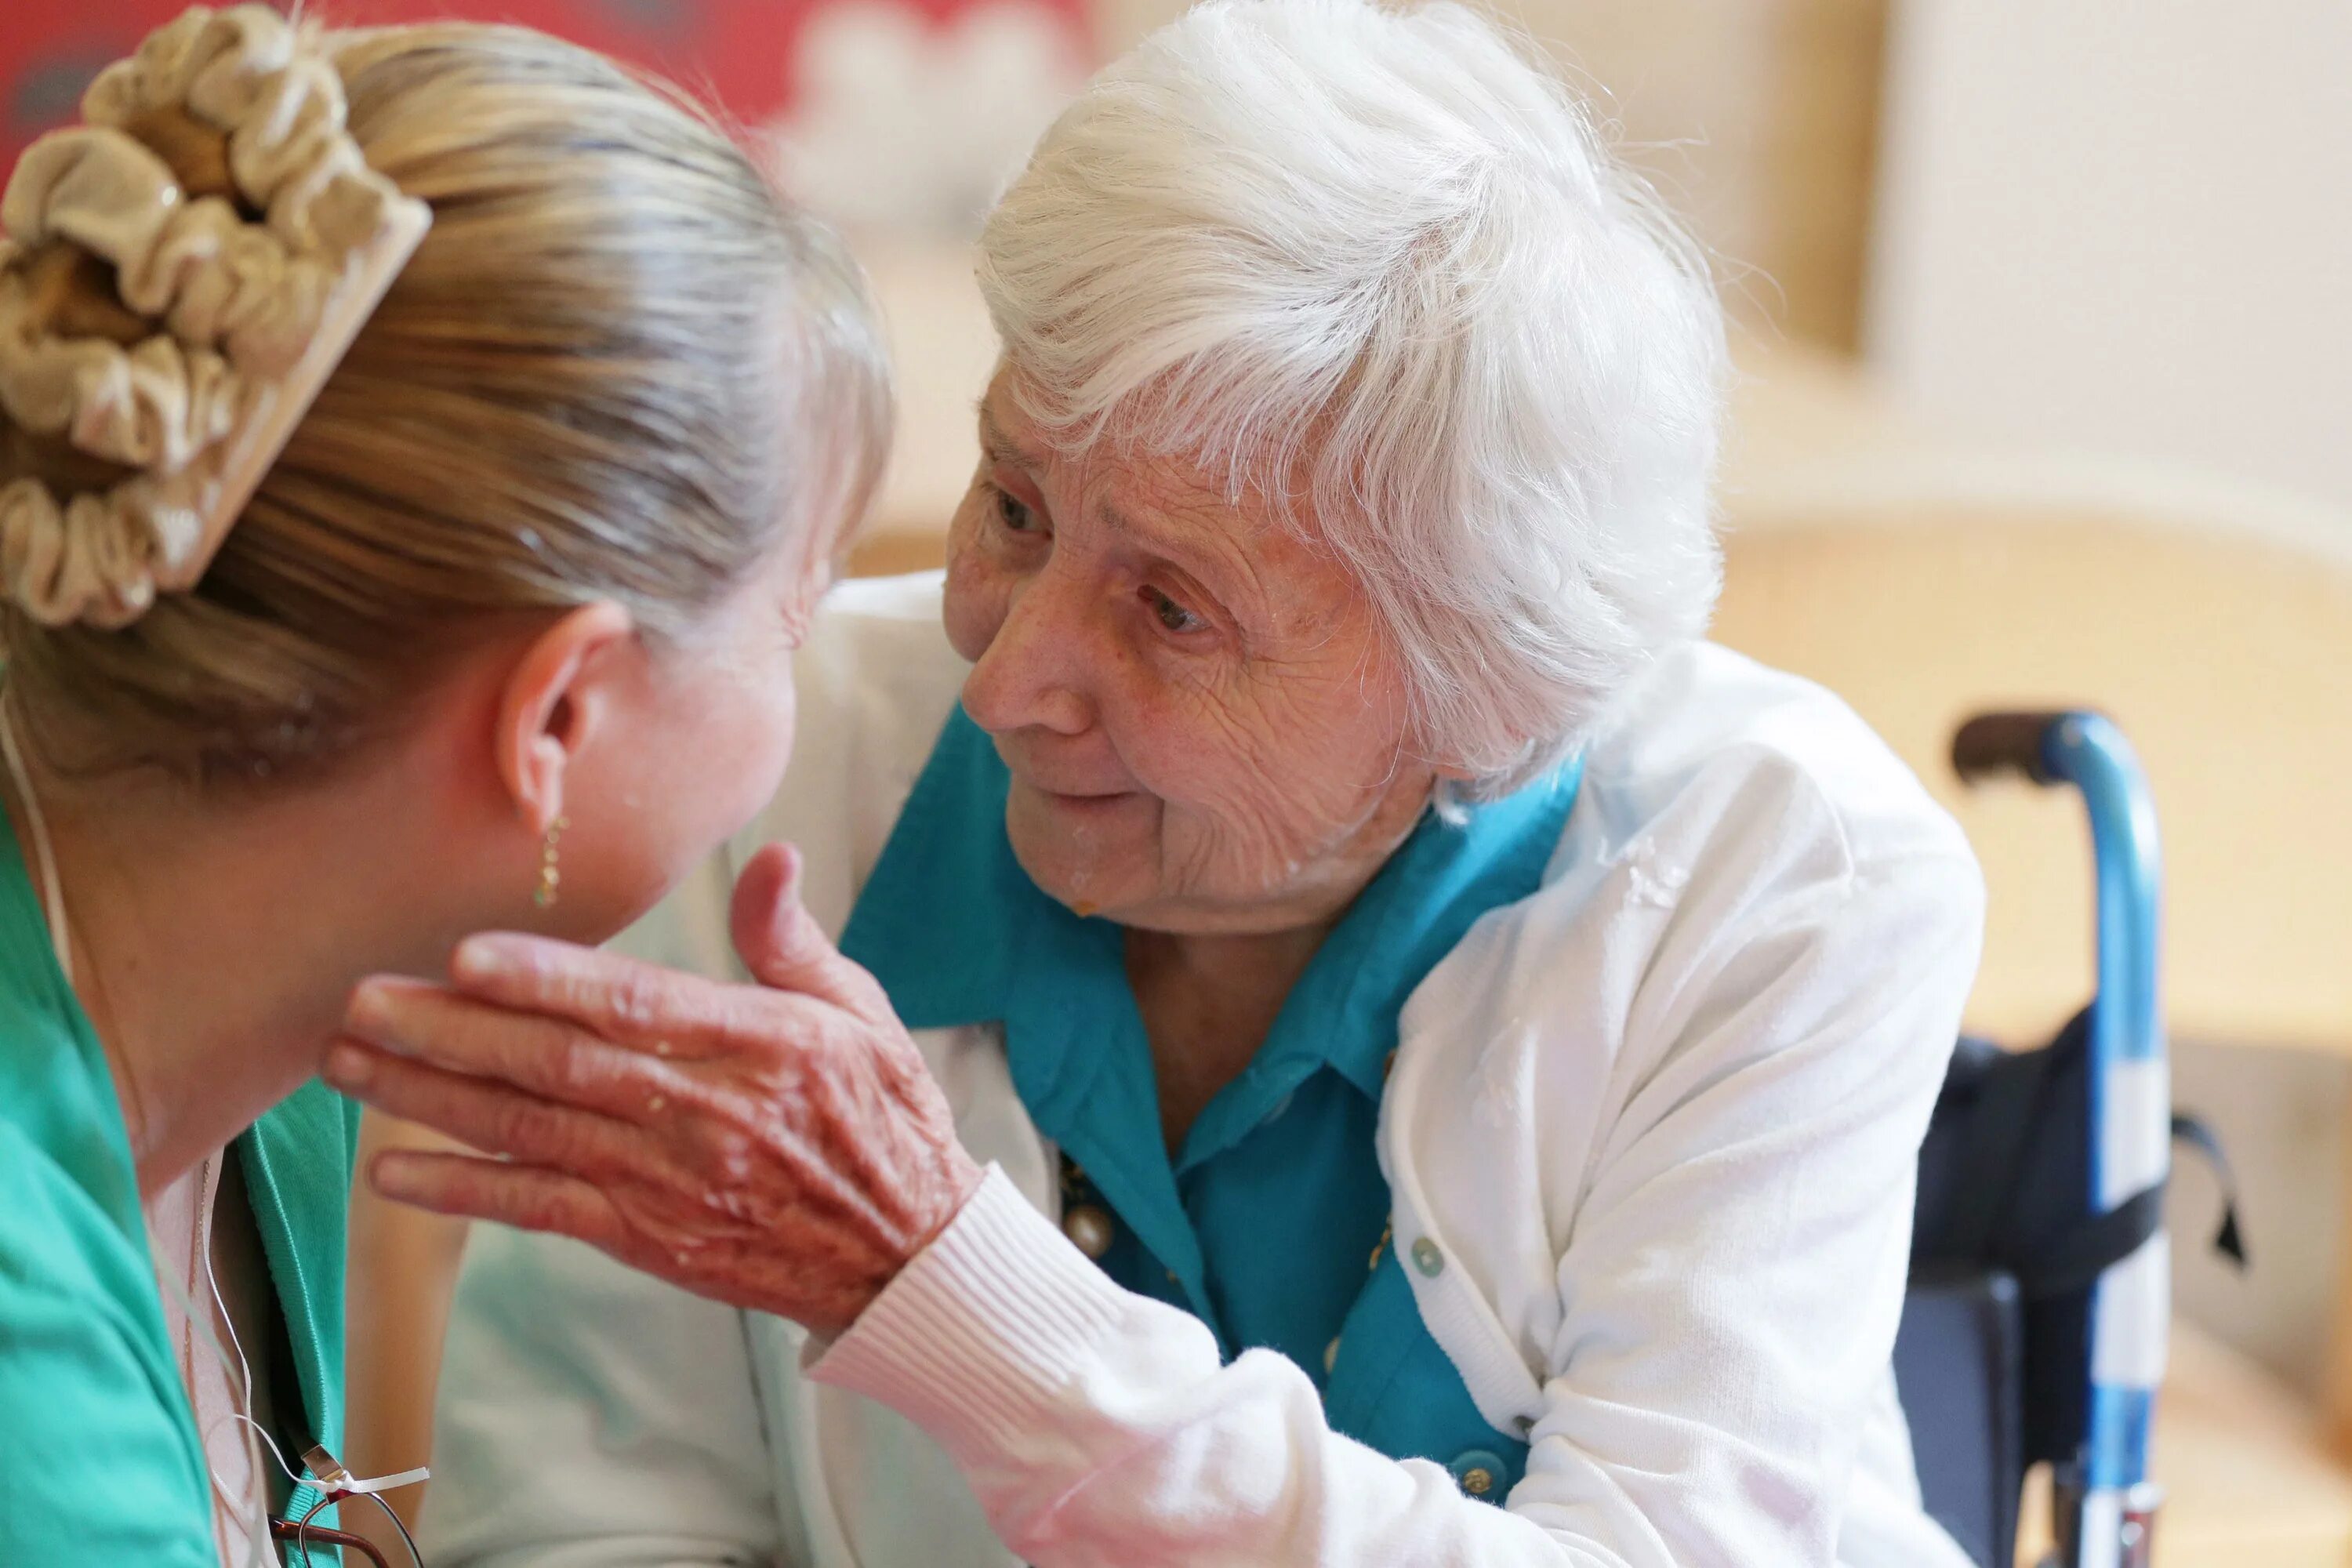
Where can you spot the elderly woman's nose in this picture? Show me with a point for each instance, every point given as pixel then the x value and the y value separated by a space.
pixel 1034 672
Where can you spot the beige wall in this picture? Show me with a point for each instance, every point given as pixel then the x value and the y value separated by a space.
pixel 2122 226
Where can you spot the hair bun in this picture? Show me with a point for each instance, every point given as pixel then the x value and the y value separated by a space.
pixel 249 316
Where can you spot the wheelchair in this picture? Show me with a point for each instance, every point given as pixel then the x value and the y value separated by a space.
pixel 2034 1328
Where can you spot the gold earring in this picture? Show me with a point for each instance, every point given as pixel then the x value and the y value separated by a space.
pixel 549 878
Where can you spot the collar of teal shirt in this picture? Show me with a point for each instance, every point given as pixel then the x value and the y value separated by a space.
pixel 958 934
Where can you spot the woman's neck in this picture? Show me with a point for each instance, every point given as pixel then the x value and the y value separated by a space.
pixel 1208 1002
pixel 1210 999
pixel 212 946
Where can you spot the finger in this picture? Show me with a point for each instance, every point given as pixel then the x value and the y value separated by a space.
pixel 640 1007
pixel 782 944
pixel 547 1056
pixel 523 1196
pixel 485 1115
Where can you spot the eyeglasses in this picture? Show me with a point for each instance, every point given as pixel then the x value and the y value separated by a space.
pixel 304 1536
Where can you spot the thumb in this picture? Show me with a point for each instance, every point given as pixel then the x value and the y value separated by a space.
pixel 781 942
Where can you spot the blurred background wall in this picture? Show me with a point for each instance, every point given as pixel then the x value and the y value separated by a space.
pixel 1759 116
pixel 2122 226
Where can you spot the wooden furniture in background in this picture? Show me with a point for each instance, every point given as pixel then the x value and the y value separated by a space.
pixel 2223 650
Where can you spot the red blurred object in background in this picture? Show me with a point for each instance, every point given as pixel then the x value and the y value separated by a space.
pixel 738 53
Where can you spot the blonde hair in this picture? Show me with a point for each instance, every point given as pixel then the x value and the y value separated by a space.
pixel 620 366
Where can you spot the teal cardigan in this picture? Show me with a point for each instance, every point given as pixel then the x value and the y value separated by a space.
pixel 99 1460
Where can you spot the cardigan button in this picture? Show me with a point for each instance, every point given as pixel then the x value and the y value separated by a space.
pixel 1089 1230
pixel 1427 1259
pixel 1330 1355
pixel 1477 1472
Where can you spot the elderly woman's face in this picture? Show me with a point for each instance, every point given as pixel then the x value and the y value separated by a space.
pixel 1204 732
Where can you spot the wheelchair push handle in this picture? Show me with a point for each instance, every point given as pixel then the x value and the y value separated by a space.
pixel 1992 743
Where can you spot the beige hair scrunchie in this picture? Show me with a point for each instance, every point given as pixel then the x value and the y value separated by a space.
pixel 251 318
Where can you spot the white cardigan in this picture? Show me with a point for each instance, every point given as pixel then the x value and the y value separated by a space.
pixel 1659 1122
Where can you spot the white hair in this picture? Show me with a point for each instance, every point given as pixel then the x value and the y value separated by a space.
pixel 1383 253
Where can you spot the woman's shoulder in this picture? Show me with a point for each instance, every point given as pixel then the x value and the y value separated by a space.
pixel 1724 1015
pixel 97 1467
pixel 1712 747
pixel 871 606
pixel 58 1244
pixel 1723 809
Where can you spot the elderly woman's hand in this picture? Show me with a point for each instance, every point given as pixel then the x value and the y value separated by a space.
pixel 780 1147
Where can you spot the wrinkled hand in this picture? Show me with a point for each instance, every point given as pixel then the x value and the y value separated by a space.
pixel 779 1147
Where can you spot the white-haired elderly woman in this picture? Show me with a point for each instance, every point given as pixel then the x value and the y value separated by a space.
pixel 1354 1037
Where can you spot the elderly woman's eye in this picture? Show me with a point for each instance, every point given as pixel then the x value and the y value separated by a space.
pixel 1012 512
pixel 1172 616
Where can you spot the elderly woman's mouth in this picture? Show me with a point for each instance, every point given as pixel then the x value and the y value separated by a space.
pixel 1085 802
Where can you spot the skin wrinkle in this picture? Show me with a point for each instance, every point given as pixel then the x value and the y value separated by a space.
pixel 789 1168
pixel 836 1196
pixel 1313 626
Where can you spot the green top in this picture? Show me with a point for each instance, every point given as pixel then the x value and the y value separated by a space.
pixel 100 1459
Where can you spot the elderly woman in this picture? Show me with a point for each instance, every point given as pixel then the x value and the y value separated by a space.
pixel 1355 1037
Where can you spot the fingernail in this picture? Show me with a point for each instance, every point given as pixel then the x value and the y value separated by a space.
pixel 371 1005
pixel 476 958
pixel 347 1067
pixel 384 1174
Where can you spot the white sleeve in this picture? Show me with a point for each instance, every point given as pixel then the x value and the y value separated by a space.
pixel 592 1417
pixel 1098 1427
pixel 1726 1294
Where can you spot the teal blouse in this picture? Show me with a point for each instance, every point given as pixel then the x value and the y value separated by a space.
pixel 1270 1224
pixel 99 1460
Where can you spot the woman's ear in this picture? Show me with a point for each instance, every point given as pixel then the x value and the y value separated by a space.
pixel 552 704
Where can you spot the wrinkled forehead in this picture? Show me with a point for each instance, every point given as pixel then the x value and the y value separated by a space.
pixel 1137 465
pixel 1260 553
